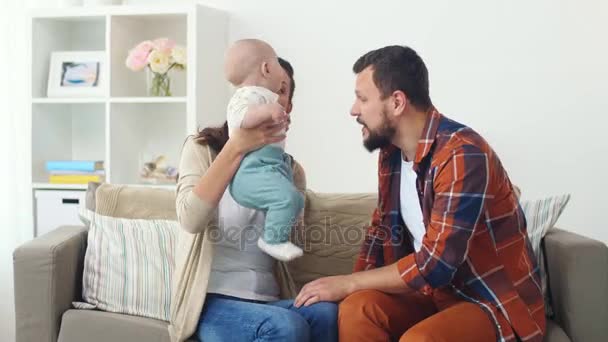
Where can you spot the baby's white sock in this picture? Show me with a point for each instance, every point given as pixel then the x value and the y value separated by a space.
pixel 285 251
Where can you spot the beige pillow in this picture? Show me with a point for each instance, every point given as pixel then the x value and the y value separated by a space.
pixel 135 216
pixel 128 265
pixel 334 227
pixel 134 202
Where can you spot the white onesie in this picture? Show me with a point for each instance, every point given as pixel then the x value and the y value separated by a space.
pixel 239 104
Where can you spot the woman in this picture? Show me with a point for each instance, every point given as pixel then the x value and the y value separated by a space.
pixel 225 288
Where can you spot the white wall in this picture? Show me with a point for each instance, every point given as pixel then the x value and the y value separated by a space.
pixel 14 215
pixel 529 75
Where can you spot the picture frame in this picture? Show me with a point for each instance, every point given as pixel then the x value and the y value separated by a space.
pixel 77 74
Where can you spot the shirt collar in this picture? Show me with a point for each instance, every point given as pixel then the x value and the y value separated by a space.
pixel 428 135
pixel 425 142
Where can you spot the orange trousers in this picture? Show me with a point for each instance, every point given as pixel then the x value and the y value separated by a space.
pixel 372 315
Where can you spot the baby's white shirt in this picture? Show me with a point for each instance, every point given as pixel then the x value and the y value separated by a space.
pixel 239 104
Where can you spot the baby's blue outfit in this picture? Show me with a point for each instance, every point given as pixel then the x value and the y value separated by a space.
pixel 264 180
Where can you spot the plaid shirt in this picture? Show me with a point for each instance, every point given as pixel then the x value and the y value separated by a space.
pixel 476 241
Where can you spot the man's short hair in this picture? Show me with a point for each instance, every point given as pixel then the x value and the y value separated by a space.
pixel 398 68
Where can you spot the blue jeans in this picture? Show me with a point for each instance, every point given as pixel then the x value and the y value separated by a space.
pixel 227 318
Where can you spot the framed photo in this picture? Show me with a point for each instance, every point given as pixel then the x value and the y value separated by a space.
pixel 77 74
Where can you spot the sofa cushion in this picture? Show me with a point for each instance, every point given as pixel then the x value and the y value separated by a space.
pixel 98 326
pixel 555 333
pixel 90 195
pixel 334 227
pixel 134 202
pixel 128 265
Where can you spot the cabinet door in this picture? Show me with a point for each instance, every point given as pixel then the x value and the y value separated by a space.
pixel 55 208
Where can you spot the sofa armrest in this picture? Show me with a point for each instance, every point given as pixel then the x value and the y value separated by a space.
pixel 48 277
pixel 578 280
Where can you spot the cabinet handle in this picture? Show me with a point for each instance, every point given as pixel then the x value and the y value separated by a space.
pixel 70 201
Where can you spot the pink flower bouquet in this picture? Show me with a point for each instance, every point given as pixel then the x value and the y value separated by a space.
pixel 159 56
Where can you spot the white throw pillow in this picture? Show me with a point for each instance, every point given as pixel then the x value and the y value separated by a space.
pixel 128 265
pixel 541 215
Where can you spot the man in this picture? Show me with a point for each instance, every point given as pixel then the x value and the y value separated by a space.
pixel 446 257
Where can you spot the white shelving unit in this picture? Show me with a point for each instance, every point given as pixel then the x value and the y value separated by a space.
pixel 124 127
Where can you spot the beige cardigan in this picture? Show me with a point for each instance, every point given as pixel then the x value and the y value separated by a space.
pixel 194 251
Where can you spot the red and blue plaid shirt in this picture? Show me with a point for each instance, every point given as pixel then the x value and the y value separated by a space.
pixel 476 241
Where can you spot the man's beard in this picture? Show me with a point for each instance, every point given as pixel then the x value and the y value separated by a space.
pixel 381 137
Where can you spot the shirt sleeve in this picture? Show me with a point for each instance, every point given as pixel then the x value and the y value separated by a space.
pixel 460 193
pixel 193 213
pixel 372 249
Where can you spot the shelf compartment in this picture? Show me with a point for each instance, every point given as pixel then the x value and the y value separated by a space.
pixel 62 34
pixel 141 132
pixel 66 132
pixel 129 30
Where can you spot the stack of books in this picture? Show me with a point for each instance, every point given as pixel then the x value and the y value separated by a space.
pixel 75 171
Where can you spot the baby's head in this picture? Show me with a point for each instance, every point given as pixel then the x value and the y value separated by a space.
pixel 254 62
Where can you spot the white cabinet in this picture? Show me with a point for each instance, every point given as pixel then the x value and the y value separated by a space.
pixel 123 126
pixel 55 208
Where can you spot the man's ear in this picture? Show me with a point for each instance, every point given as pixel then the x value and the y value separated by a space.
pixel 400 102
pixel 289 108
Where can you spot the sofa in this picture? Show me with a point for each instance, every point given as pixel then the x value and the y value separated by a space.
pixel 48 275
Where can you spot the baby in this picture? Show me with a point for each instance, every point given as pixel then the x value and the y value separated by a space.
pixel 264 180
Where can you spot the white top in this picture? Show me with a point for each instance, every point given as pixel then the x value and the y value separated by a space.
pixel 239 104
pixel 239 268
pixel 410 204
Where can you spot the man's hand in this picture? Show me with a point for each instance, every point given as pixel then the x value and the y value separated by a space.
pixel 336 288
pixel 328 289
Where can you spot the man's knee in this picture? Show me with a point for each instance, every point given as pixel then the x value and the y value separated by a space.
pixel 461 322
pixel 360 305
pixel 419 334
pixel 359 298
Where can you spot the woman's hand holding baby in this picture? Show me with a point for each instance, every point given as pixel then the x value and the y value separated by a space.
pixel 245 140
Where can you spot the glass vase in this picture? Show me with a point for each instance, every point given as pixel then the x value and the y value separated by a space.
pixel 158 84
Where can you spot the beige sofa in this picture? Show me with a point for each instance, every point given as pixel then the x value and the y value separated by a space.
pixel 48 273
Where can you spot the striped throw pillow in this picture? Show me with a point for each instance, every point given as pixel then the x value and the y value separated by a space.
pixel 128 265
pixel 541 215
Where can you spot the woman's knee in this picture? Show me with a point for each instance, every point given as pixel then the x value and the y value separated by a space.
pixel 284 325
pixel 327 310
pixel 326 315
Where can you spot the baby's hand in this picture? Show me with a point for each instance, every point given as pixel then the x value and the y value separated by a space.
pixel 278 113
